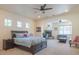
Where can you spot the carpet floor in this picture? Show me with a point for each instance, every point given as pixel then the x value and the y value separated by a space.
pixel 53 48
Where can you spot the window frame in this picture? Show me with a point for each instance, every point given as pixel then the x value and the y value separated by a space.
pixel 64 31
pixel 27 25
pixel 7 22
pixel 19 24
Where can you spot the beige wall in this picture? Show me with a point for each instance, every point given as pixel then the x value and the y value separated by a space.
pixel 73 17
pixel 5 32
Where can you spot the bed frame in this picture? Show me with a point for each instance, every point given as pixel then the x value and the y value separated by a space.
pixel 33 49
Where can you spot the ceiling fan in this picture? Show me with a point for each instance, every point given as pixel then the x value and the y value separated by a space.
pixel 43 8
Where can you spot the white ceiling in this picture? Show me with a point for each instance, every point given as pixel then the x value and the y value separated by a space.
pixel 29 11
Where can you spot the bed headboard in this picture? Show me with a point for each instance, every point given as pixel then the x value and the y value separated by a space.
pixel 13 33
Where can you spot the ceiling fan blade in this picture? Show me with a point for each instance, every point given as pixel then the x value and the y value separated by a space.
pixel 44 5
pixel 36 8
pixel 48 8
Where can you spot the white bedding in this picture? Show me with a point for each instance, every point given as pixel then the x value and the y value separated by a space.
pixel 28 41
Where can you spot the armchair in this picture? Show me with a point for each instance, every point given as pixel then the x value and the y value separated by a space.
pixel 75 41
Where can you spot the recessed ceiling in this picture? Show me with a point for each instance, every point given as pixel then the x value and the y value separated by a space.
pixel 29 11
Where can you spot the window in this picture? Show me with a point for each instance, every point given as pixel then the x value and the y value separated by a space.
pixel 65 29
pixel 19 24
pixel 8 22
pixel 27 25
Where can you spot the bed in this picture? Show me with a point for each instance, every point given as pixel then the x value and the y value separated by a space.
pixel 31 44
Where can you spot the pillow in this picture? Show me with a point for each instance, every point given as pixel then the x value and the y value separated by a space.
pixel 25 35
pixel 30 34
pixel 19 35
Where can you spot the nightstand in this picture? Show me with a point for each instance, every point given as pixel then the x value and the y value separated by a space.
pixel 8 44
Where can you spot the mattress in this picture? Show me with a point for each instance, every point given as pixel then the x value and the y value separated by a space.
pixel 28 41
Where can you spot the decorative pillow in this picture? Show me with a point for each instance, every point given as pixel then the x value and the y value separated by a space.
pixel 25 35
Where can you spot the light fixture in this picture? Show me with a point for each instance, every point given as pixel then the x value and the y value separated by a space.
pixel 39 16
pixel 66 10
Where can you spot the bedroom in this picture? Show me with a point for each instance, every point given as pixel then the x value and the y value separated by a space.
pixel 26 18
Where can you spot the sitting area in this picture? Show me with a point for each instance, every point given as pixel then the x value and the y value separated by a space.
pixel 62 38
pixel 75 41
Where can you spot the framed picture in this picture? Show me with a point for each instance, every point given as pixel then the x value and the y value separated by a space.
pixel 38 29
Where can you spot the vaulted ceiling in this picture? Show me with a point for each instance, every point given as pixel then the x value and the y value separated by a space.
pixel 28 10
